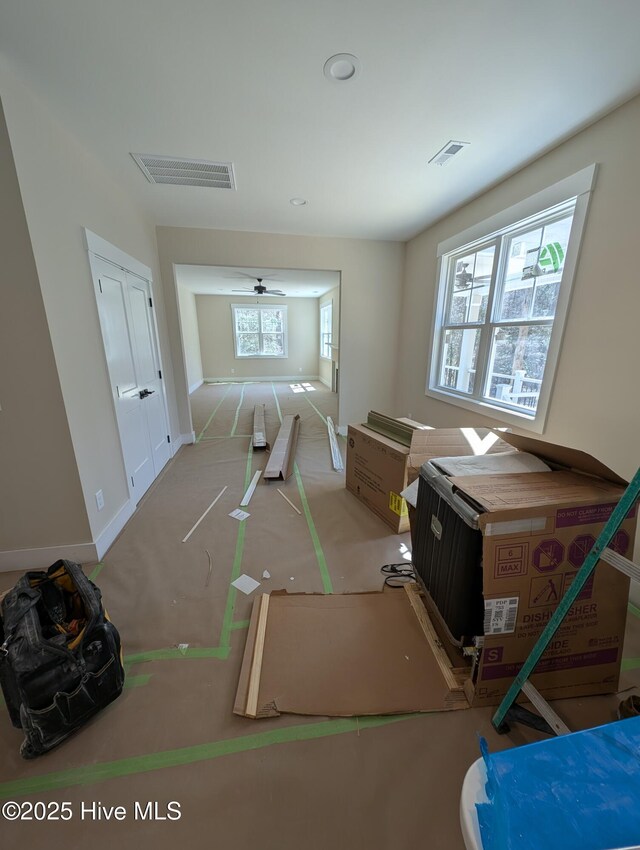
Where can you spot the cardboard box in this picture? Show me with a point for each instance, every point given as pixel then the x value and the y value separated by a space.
pixel 379 469
pixel 537 529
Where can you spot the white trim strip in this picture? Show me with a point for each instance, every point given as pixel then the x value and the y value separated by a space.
pixel 287 499
pixel 571 187
pixel 20 560
pixel 251 489
pixel 115 526
pixel 184 539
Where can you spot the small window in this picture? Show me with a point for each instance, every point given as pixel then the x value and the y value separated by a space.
pixel 500 310
pixel 326 321
pixel 259 331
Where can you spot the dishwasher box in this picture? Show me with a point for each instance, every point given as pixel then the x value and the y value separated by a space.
pixel 498 552
pixel 379 468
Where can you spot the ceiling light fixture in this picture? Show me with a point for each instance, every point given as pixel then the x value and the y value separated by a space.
pixel 342 67
pixel 298 202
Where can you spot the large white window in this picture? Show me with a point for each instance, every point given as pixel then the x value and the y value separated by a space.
pixel 259 331
pixel 326 321
pixel 501 305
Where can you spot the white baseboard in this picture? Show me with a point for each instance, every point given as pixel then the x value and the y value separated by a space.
pixel 39 559
pixel 327 384
pixel 195 386
pixel 235 379
pixel 106 538
pixel 182 440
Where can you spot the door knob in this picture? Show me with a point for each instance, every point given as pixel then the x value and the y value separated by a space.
pixel 145 393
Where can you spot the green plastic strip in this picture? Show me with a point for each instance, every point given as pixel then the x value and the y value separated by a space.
pixel 215 410
pixel 322 563
pixel 633 610
pixel 235 421
pixel 91 774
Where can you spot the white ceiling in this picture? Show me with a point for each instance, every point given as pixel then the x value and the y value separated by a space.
pixel 223 280
pixel 242 81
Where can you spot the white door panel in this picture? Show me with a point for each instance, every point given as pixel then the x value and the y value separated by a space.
pixel 129 339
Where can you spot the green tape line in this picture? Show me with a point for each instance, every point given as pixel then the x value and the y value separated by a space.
pixel 240 624
pixel 235 421
pixel 173 652
pixel 91 774
pixel 630 663
pixel 273 389
pixel 324 572
pixel 93 575
pixel 227 620
pixel 215 410
pixel 137 681
pixel 324 418
pixel 633 610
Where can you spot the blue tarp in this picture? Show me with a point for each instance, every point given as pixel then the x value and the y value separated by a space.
pixel 575 792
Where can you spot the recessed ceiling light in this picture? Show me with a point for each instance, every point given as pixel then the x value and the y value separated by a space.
pixel 342 67
pixel 297 202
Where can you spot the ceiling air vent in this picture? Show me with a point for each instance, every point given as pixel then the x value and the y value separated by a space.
pixel 186 172
pixel 447 152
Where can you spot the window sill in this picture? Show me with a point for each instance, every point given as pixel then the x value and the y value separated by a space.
pixel 492 411
pixel 262 356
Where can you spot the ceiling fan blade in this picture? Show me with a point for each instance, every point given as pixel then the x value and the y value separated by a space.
pixel 243 290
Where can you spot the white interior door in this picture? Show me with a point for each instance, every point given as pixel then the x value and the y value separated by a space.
pixel 128 333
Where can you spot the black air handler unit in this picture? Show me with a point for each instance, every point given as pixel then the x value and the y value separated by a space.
pixel 60 659
pixel 447 555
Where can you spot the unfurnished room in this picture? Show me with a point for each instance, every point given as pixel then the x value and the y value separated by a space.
pixel 318 415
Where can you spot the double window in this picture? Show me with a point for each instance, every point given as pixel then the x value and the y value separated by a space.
pixel 500 310
pixel 326 321
pixel 259 331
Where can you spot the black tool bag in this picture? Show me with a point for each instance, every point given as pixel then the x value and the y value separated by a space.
pixel 60 659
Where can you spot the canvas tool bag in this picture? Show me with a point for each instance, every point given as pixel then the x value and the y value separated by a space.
pixel 60 656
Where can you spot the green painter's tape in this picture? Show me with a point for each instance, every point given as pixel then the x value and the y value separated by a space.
pixel 215 410
pixel 173 653
pixel 633 610
pixel 324 572
pixel 227 620
pixel 93 575
pixel 324 418
pixel 240 624
pixel 235 421
pixel 630 663
pixel 91 774
pixel 137 681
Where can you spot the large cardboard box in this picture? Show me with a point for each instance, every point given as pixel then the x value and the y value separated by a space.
pixel 537 529
pixel 379 469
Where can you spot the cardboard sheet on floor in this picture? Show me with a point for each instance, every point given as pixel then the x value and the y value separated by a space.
pixel 340 655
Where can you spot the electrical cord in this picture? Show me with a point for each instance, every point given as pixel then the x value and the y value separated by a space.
pixel 397 575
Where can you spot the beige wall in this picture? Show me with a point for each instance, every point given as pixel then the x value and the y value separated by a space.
pixel 370 301
pixel 216 340
pixel 190 337
pixel 595 404
pixel 332 297
pixel 64 189
pixel 41 501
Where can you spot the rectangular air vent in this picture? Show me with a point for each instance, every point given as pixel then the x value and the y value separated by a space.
pixel 186 172
pixel 447 152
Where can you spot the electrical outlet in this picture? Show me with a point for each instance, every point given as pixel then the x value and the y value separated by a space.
pixel 233 371
pixel 100 500
pixel 300 369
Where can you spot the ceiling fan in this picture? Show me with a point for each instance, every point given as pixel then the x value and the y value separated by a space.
pixel 259 289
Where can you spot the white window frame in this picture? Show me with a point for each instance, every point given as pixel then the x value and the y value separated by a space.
pixel 328 306
pixel 260 308
pixel 498 229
